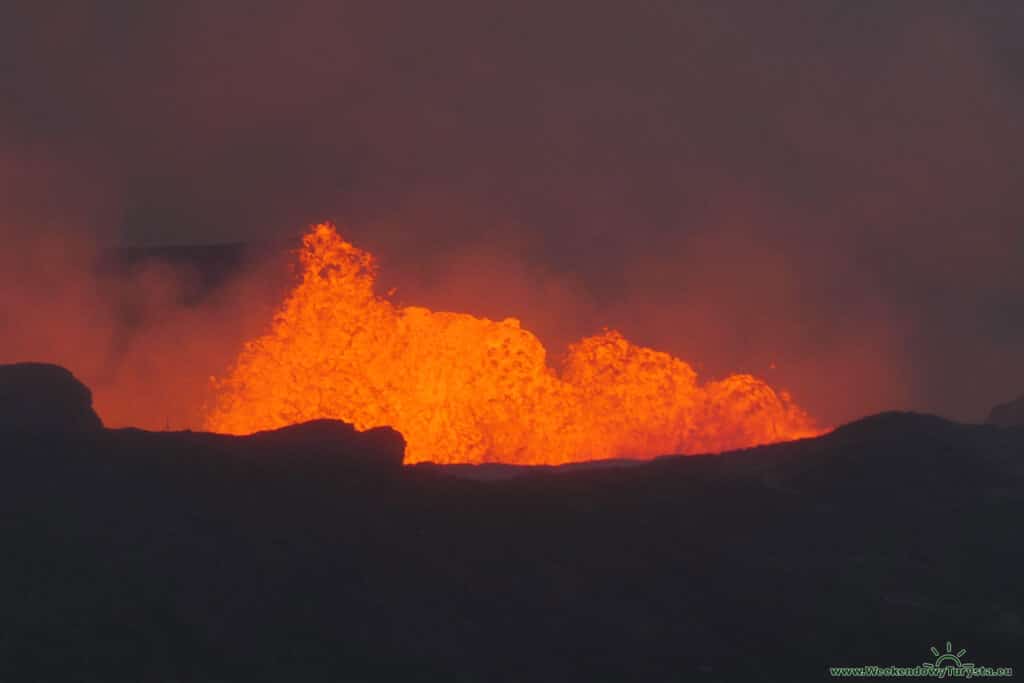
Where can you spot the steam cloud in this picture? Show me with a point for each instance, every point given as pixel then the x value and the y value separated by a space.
pixel 826 187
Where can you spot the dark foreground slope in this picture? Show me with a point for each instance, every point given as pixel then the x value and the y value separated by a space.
pixel 132 556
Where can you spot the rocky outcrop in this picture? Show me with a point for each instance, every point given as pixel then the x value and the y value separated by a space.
pixel 331 441
pixel 40 397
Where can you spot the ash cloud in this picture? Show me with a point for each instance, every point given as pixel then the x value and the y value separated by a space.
pixel 141 327
pixel 826 187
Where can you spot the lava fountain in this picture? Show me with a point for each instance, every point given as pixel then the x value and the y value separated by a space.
pixel 463 389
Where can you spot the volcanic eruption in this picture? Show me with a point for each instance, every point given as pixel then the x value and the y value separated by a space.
pixel 464 389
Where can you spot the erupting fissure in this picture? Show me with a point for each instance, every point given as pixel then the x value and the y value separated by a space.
pixel 463 389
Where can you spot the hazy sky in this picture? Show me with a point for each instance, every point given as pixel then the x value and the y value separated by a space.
pixel 832 187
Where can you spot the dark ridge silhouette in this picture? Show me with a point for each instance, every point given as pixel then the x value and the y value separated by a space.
pixel 39 397
pixel 310 554
pixel 322 448
pixel 1010 414
pixel 329 442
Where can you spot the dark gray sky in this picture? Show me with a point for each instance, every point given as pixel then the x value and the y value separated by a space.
pixel 833 187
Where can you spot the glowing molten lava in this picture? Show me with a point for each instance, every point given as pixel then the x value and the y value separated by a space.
pixel 467 389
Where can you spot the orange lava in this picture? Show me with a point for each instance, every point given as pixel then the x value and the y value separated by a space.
pixel 463 389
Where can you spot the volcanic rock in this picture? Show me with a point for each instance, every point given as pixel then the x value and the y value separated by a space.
pixel 40 397
pixel 333 441
pixel 207 557
pixel 1009 414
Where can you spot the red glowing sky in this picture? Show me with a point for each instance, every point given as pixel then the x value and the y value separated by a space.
pixel 827 188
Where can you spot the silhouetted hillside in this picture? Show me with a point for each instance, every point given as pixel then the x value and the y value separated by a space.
pixel 309 554
pixel 1010 414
